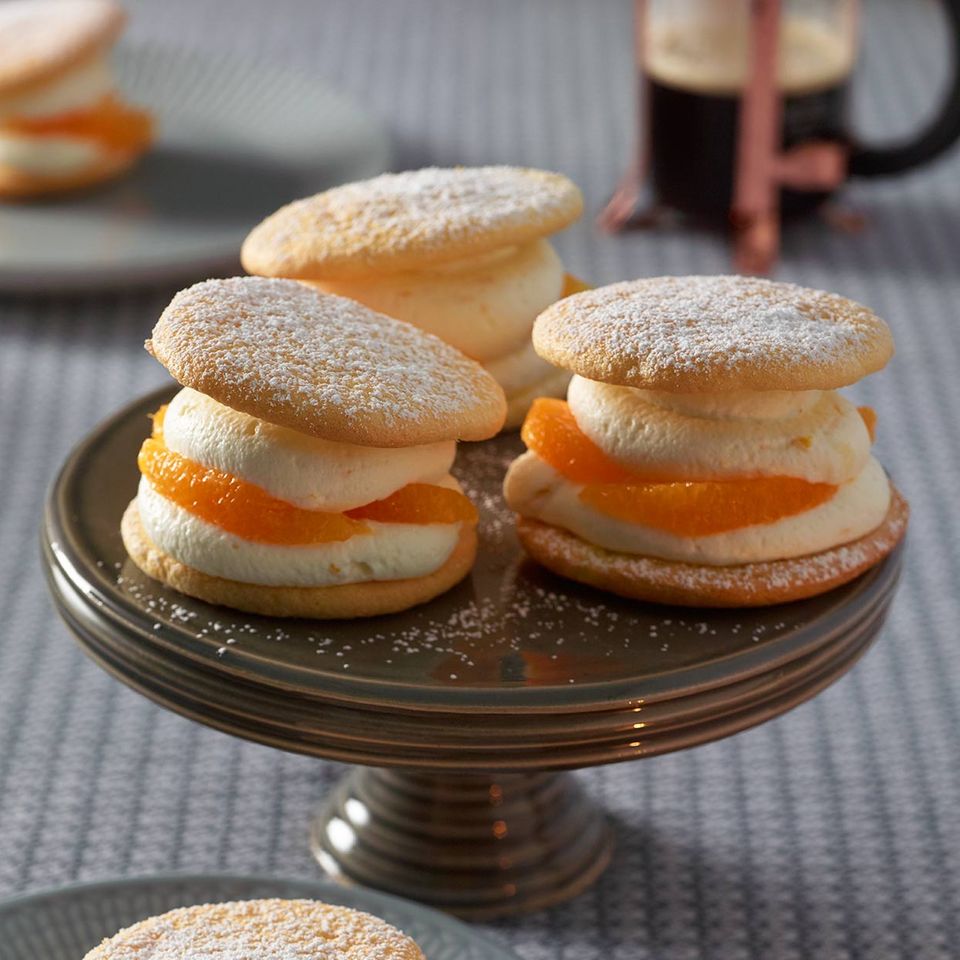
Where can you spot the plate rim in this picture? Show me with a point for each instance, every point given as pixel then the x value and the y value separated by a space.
pixel 172 877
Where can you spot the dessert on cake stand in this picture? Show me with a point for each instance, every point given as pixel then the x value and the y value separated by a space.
pixel 462 715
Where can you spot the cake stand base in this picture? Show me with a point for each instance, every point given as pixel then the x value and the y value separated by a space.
pixel 476 845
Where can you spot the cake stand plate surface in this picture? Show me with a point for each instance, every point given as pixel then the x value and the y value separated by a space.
pixel 461 711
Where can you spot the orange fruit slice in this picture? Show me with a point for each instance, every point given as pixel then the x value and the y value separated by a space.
pixel 870 419
pixel 248 511
pixel 238 507
pixel 110 122
pixel 551 432
pixel 681 507
pixel 572 285
pixel 704 508
pixel 419 503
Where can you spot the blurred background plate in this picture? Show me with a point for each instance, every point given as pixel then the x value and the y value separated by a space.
pixel 236 140
pixel 64 924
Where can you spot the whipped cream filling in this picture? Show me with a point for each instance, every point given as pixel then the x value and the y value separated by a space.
pixel 50 155
pixel 534 489
pixel 520 370
pixel 554 384
pixel 306 472
pixel 484 306
pixel 524 376
pixel 813 435
pixel 302 470
pixel 77 89
pixel 390 551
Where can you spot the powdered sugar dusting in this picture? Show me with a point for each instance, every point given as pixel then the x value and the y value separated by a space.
pixel 323 365
pixel 713 333
pixel 385 222
pixel 260 930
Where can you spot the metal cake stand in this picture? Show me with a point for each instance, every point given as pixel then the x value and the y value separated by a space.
pixel 461 714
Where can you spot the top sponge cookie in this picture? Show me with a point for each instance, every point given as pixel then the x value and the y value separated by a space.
pixel 713 334
pixel 259 930
pixel 41 39
pixel 323 365
pixel 399 221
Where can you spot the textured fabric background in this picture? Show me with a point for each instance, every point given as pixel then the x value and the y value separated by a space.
pixel 833 832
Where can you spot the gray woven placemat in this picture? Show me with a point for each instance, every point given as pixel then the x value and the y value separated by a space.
pixel 833 832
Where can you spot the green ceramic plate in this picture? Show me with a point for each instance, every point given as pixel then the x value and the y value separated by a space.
pixel 236 140
pixel 64 924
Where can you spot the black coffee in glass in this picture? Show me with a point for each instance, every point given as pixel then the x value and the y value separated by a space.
pixel 694 74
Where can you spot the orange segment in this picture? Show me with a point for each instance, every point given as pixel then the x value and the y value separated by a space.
pixel 248 511
pixel 157 420
pixel 572 285
pixel 870 419
pixel 704 508
pixel 419 503
pixel 551 432
pixel 238 507
pixel 110 122
pixel 693 509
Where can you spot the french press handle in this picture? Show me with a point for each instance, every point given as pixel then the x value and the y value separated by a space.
pixel 939 134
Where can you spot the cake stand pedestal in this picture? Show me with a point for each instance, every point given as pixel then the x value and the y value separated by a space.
pixel 474 844
pixel 460 714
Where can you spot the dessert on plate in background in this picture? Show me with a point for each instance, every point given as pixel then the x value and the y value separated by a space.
pixel 63 123
pixel 259 930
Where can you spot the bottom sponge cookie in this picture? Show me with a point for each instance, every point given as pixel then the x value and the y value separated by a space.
pixel 700 585
pixel 340 602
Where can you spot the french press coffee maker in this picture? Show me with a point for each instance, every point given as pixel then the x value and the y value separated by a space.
pixel 746 115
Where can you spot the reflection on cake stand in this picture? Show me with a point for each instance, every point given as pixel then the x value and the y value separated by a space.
pixel 462 714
